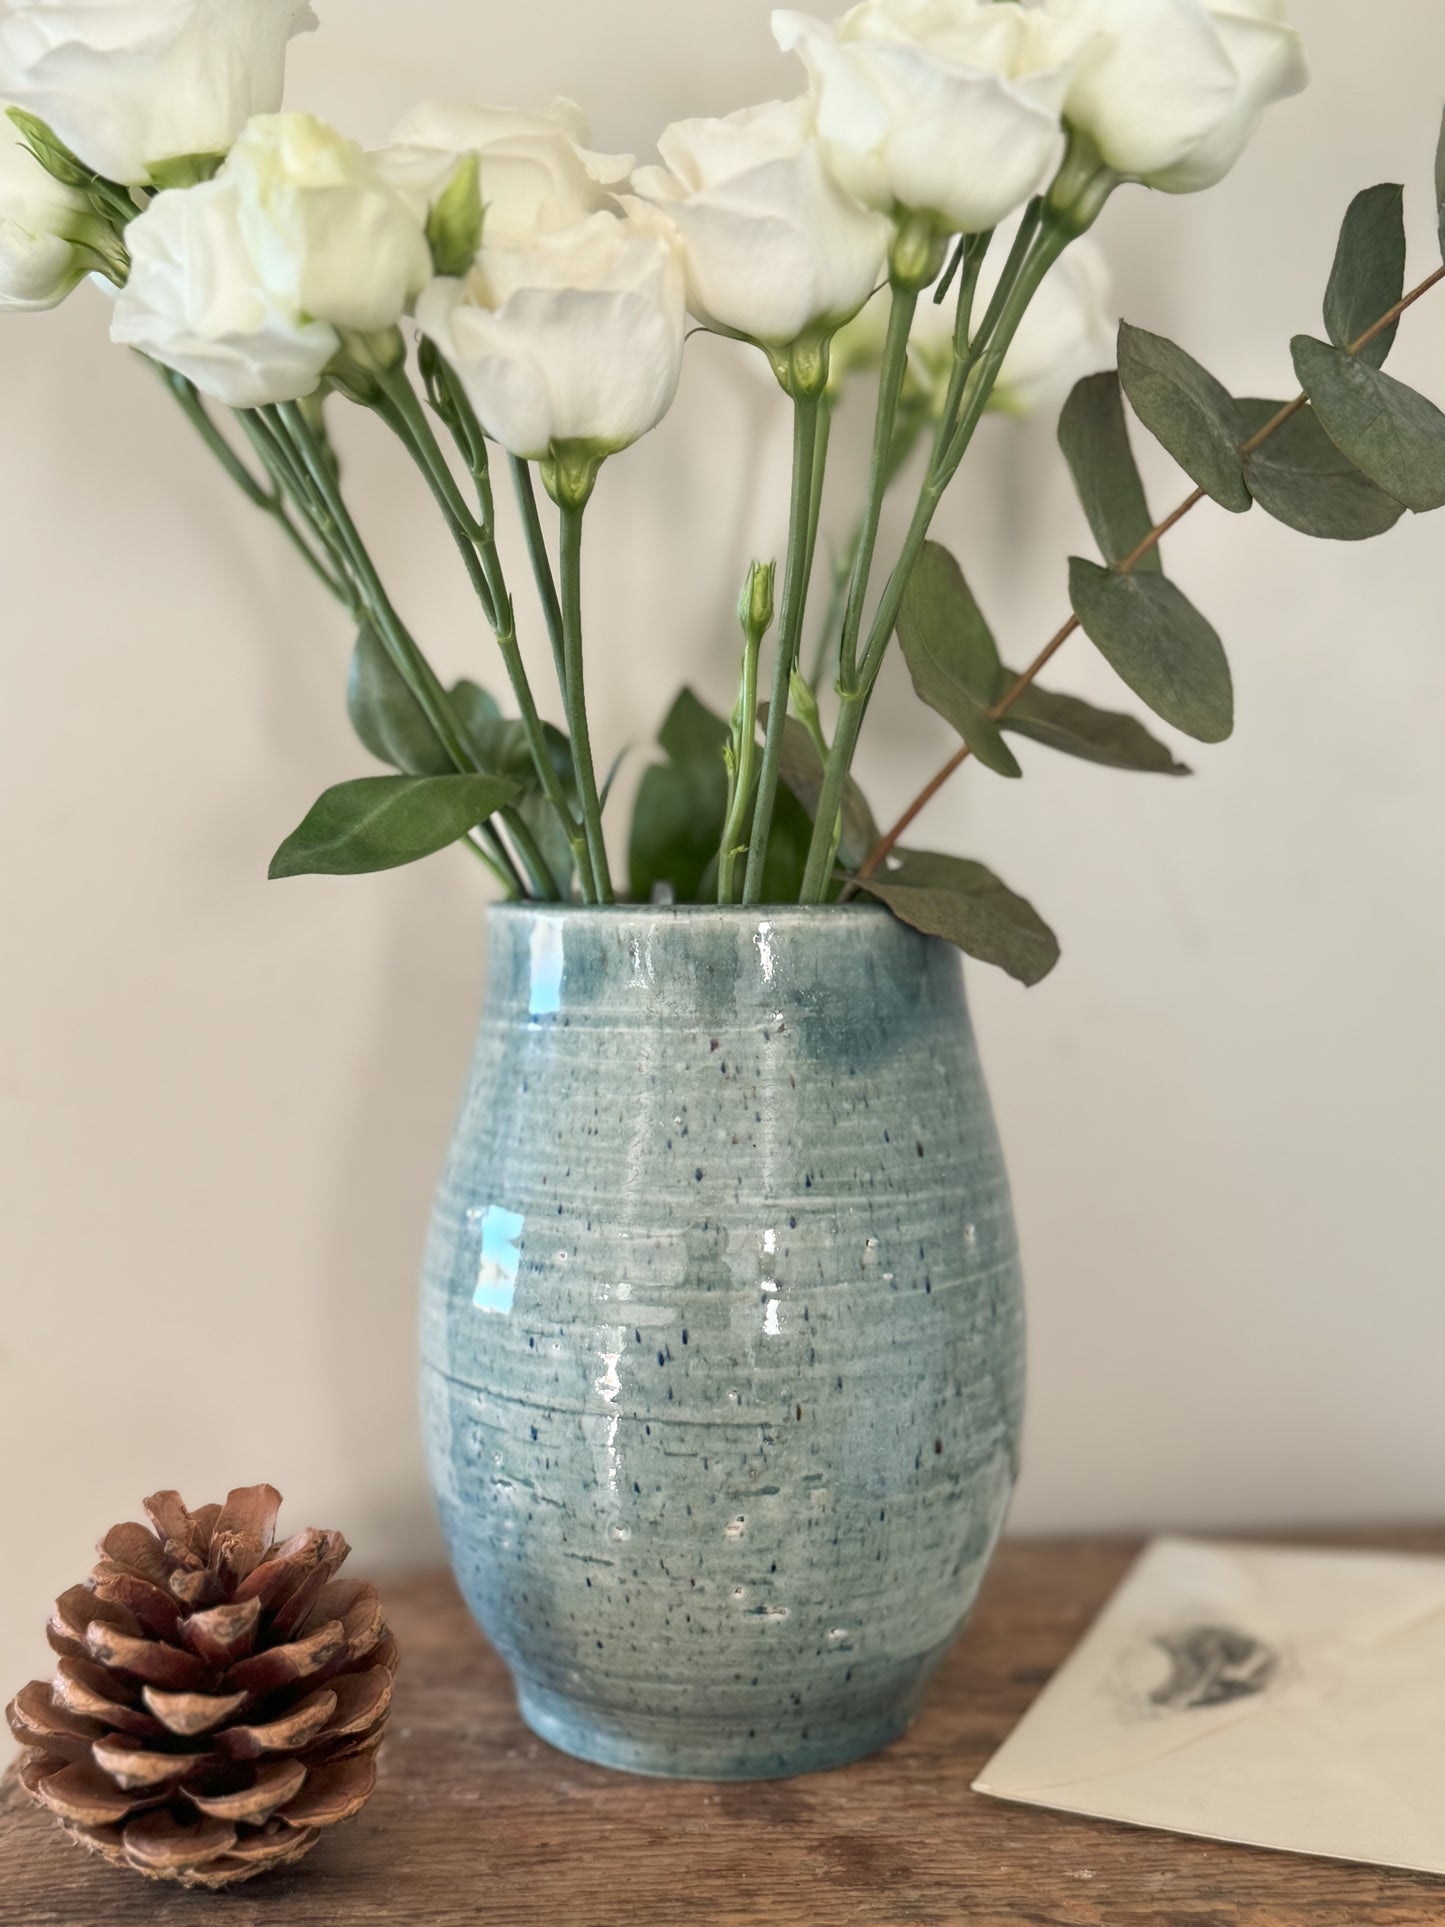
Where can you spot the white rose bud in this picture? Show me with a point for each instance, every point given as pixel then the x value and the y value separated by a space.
pixel 331 237
pixel 196 301
pixel 538 175
pixel 1172 91
pixel 941 108
pixel 132 84
pixel 573 344
pixel 43 230
pixel 774 246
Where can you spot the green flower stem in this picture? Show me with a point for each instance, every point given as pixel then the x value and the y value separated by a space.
pixel 802 537
pixel 576 695
pixel 410 664
pixel 270 501
pixel 396 386
pixel 544 885
pixel 741 770
pixel 1021 281
pixel 546 581
pixel 890 388
pixel 477 547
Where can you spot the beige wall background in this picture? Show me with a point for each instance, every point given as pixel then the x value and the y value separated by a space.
pixel 223 1103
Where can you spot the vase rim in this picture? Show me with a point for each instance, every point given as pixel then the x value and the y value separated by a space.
pixel 697 912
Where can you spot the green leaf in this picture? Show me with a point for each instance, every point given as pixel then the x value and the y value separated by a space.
pixel 952 656
pixel 677 824
pixel 1390 433
pixel 950 897
pixel 1185 408
pixel 1303 480
pixel 386 716
pixel 382 822
pixel 1156 639
pixel 1094 437
pixel 1077 728
pixel 801 768
pixel 1368 277
pixel 475 709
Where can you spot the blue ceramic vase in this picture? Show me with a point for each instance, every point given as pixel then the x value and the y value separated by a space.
pixel 722 1331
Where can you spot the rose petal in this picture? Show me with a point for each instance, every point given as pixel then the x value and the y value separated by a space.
pixel 332 1793
pixel 137 1767
pixel 145 1659
pixel 273 1783
pixel 188 1714
pixel 289 1733
pixel 162 1841
pixel 223 1634
pixel 280 1665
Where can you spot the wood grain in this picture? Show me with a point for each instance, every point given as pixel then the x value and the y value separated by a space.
pixel 476 1822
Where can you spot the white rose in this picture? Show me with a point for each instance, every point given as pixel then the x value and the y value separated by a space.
pixel 773 245
pixel 945 108
pixel 572 342
pixel 331 237
pixel 128 84
pixel 196 301
pixel 41 223
pixel 538 175
pixel 1172 91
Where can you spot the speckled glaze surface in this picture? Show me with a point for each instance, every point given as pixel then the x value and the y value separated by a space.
pixel 722 1331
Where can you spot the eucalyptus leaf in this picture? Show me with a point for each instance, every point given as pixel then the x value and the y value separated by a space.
pixel 381 822
pixel 1391 434
pixel 1368 277
pixel 953 898
pixel 1155 638
pixel 1094 437
pixel 1077 728
pixel 801 768
pixel 1186 409
pixel 952 656
pixel 1304 481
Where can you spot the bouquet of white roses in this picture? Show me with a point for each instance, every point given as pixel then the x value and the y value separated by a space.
pixel 514 306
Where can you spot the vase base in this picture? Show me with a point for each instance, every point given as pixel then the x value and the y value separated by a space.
pixel 677 1750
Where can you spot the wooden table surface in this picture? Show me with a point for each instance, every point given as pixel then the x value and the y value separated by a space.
pixel 476 1822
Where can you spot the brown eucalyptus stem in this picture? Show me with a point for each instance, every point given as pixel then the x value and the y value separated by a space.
pixel 886 845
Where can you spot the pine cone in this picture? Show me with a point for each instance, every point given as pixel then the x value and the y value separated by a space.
pixel 218 1700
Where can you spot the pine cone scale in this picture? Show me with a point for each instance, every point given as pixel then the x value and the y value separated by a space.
pixel 217 1699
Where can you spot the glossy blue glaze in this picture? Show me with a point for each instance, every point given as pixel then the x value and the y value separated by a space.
pixel 722 1331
